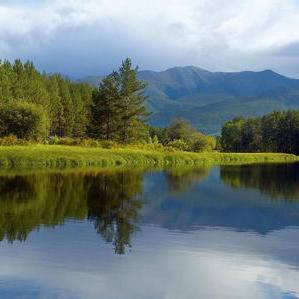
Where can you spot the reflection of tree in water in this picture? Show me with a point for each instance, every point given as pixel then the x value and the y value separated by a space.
pixel 26 202
pixel 113 205
pixel 279 181
pixel 111 201
pixel 16 189
pixel 180 180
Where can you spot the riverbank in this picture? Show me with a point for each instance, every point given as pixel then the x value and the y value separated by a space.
pixel 59 156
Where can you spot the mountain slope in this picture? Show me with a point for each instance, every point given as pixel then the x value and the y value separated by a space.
pixel 207 99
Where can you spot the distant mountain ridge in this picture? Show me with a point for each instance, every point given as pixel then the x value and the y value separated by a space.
pixel 207 99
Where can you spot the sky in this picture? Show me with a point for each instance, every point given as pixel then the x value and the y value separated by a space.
pixel 91 37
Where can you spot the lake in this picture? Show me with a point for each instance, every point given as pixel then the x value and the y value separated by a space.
pixel 223 232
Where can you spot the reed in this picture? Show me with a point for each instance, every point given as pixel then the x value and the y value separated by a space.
pixel 62 156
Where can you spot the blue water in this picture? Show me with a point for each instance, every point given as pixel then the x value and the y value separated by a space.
pixel 229 232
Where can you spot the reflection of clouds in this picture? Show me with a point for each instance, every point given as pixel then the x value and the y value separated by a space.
pixel 163 264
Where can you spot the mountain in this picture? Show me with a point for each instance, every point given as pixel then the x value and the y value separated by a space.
pixel 207 99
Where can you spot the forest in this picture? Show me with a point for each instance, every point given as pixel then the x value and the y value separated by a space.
pixel 274 132
pixel 51 108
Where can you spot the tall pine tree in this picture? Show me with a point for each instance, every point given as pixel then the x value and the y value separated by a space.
pixel 106 109
pixel 132 103
pixel 119 111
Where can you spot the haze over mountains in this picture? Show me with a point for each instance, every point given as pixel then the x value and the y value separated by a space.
pixel 208 99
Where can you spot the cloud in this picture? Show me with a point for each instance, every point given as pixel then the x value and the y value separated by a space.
pixel 92 36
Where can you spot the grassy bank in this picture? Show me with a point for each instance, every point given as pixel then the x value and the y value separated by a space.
pixel 58 156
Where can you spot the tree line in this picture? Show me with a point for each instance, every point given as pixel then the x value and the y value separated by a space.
pixel 43 104
pixel 36 105
pixel 274 132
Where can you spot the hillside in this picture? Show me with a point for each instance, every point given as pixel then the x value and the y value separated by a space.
pixel 207 99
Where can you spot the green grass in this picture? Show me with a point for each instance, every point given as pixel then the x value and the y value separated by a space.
pixel 61 157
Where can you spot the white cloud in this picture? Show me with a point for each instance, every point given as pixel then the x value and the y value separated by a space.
pixel 229 34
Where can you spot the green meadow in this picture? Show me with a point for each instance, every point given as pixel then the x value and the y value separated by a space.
pixel 63 156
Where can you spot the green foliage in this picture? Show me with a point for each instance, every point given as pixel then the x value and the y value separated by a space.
pixel 150 144
pixel 67 104
pixel 9 140
pixel 24 120
pixel 12 140
pixel 132 101
pixel 231 135
pixel 203 143
pixel 178 144
pixel 88 142
pixel 106 109
pixel 118 112
pixel 160 133
pixel 62 156
pixel 181 129
pixel 115 111
pixel 274 132
pixel 109 144
pixel 55 140
pixel 185 137
pixel 251 138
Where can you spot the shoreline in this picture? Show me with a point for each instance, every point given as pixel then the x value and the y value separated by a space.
pixel 71 157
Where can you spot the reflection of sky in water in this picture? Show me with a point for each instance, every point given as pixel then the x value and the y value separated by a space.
pixel 71 262
pixel 209 241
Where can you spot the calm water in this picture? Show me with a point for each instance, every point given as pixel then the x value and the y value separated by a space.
pixel 229 232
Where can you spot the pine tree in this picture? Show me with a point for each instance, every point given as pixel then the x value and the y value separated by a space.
pixel 133 111
pixel 106 110
pixel 119 112
pixel 6 74
pixel 55 107
pixel 18 81
pixel 34 86
pixel 80 112
pixel 67 120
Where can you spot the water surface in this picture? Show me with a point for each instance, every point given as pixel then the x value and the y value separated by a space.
pixel 228 232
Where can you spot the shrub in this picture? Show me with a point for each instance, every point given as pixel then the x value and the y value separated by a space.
pixel 181 130
pixel 53 140
pixel 169 149
pixel 12 140
pixel 203 143
pixel 23 120
pixel 178 144
pixel 200 145
pixel 108 144
pixel 72 141
pixel 88 142
pixel 212 142
pixel 151 144
pixel 67 141
pixel 9 140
